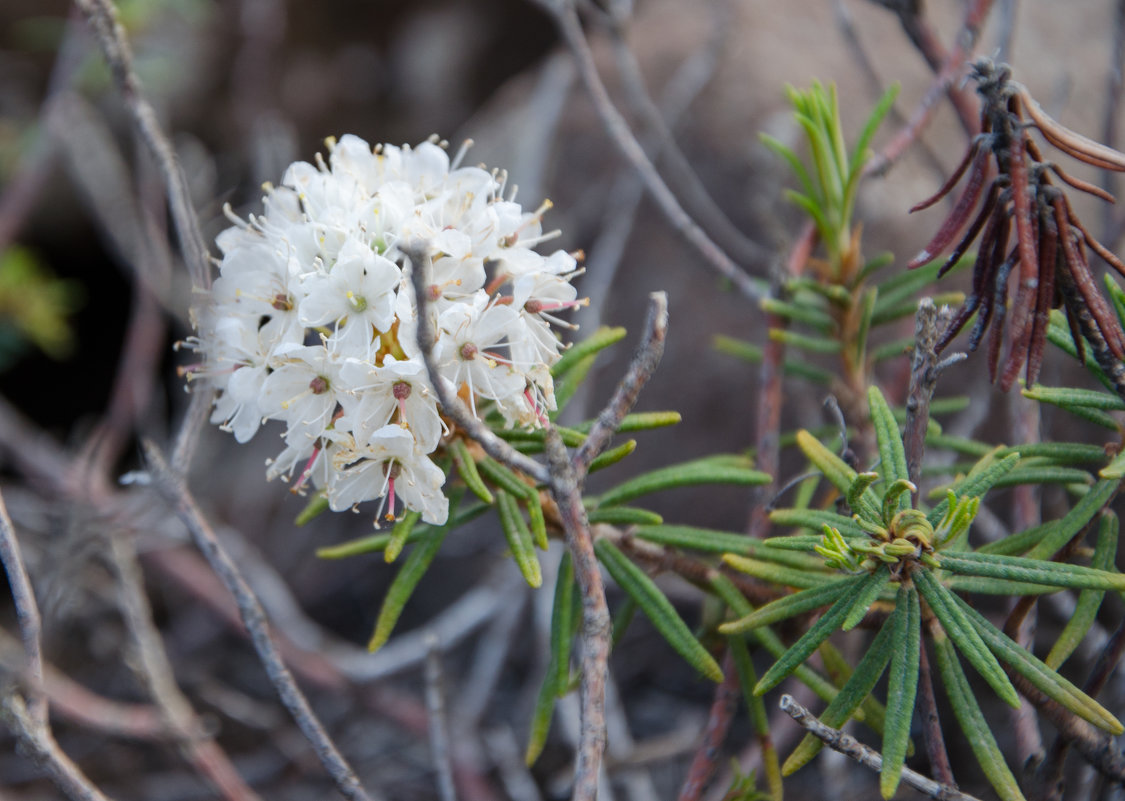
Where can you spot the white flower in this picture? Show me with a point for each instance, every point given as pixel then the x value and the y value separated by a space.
pixel 312 324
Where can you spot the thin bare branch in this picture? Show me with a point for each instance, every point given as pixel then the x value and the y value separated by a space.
pixel 694 195
pixel 39 744
pixel 954 65
pixel 596 626
pixel 723 706
pixel 155 670
pixel 27 613
pixel 172 488
pixel 640 370
pixel 438 724
pixel 418 253
pixel 102 17
pixel 853 749
pixel 566 17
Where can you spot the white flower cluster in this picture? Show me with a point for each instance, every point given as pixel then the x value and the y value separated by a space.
pixel 312 321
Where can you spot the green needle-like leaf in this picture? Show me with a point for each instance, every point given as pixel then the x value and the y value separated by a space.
pixel 467 469
pixel 906 645
pixel 892 456
pixel 1070 397
pixel 738 604
pixel 657 608
pixel 1033 571
pixel 816 520
pixel 686 474
pixel 1086 609
pixel 625 516
pixel 1047 681
pixel 965 635
pixel 837 471
pixel 747 678
pixel 779 574
pixel 976 484
pixel 402 587
pixel 591 346
pixel 400 534
pixel 613 455
pixel 858 686
pixel 519 538
pixel 317 505
pixel 863 602
pixel 557 678
pixel 829 622
pixel 1044 541
pixel 972 721
pixel 790 605
pixel 504 478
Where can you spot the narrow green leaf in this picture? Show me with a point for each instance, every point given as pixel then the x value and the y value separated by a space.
pixel 806 313
pixel 906 638
pixel 657 608
pixel 317 505
pixel 789 606
pixel 860 152
pixel 790 158
pixel 747 678
pixel 839 710
pixel 504 478
pixel 685 474
pixel 863 602
pixel 625 516
pixel 892 455
pixel 402 587
pixel 712 541
pixel 519 538
pixel 1044 541
pixel 1070 397
pixel 813 344
pixel 467 469
pixel 779 574
pixel 1037 474
pixel 992 586
pixel 892 349
pixel 976 484
pixel 765 637
pixel 400 534
pixel 1086 608
pixel 557 678
pixel 973 722
pixel 1032 571
pixel 591 346
pixel 1047 681
pixel 1058 333
pixel 1115 469
pixel 613 455
pixel 965 636
pixel 837 472
pixel 816 520
pixel 536 520
pixel 829 622
pixel 621 620
pixel 638 421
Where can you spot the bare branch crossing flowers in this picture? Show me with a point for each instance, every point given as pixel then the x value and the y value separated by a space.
pixel 312 320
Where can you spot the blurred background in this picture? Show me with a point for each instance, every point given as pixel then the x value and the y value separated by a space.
pixel 90 309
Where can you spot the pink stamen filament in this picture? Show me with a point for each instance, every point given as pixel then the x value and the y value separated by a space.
pixel 307 471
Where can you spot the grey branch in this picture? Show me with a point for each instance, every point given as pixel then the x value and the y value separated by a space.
pixel 102 16
pixel 566 17
pixel 853 749
pixel 640 370
pixel 172 488
pixel 418 254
